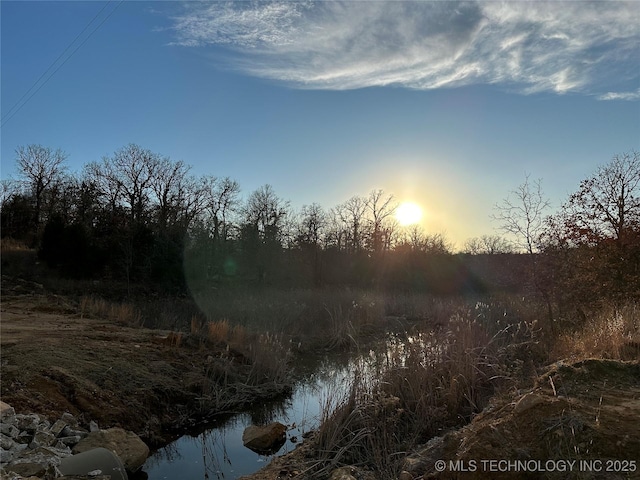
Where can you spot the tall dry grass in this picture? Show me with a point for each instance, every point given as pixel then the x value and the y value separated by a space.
pixel 422 385
pixel 610 333
pixel 341 318
pixel 121 313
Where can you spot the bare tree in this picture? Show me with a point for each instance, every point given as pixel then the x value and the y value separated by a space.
pixel 487 244
pixel 337 230
pixel 102 177
pixel 167 185
pixel 381 208
pixel 415 239
pixel 41 168
pixel 311 230
pixel 8 188
pixel 135 168
pixel 522 214
pixel 266 212
pixel 352 213
pixel 221 196
pixel 311 226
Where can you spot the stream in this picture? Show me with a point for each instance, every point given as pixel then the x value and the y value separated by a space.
pixel 218 453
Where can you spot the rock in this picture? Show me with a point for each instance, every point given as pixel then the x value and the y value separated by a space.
pixel 65 448
pixel 343 473
pixel 127 445
pixel 28 423
pixel 266 439
pixel 72 432
pixel 6 455
pixel 6 412
pixel 42 439
pixel 93 426
pixel 23 437
pixel 36 462
pixel 71 440
pixel 404 475
pixel 27 441
pixel 69 419
pixel 426 455
pixel 28 469
pixel 6 442
pixel 57 428
pixel 9 430
pixel 43 425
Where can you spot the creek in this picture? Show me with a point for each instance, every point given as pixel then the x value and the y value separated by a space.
pixel 218 452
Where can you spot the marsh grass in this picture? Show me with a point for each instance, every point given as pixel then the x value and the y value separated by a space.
pixel 422 385
pixel 218 332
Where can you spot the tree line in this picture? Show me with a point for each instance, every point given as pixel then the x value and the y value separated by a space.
pixel 140 217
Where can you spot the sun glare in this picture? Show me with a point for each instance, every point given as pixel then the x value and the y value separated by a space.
pixel 408 213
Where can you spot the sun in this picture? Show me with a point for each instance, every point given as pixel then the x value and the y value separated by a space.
pixel 408 213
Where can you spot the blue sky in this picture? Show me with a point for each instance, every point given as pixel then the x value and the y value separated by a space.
pixel 442 103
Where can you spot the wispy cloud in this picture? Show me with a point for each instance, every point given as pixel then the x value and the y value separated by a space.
pixel 621 95
pixel 587 47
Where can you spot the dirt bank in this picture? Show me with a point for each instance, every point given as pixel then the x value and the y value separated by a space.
pixel 152 382
pixel 579 421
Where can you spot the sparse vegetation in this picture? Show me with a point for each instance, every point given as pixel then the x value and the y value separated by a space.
pixel 121 313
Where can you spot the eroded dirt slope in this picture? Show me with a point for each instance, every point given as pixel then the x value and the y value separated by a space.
pixel 53 360
pixel 584 418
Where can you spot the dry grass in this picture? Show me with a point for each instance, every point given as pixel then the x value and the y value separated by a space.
pixel 435 379
pixel 121 313
pixel 612 333
pixel 269 357
pixel 8 244
pixel 423 384
pixel 218 332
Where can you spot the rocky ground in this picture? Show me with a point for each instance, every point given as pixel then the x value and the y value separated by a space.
pixel 33 446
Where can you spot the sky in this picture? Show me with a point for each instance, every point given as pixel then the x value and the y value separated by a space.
pixel 445 104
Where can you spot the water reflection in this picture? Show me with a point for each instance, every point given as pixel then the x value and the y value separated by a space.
pixel 218 453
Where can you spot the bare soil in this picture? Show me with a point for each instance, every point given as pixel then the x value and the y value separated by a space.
pixel 587 412
pixel 53 360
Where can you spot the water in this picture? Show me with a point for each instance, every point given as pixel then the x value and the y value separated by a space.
pixel 218 453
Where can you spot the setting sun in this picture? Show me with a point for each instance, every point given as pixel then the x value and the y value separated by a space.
pixel 408 213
